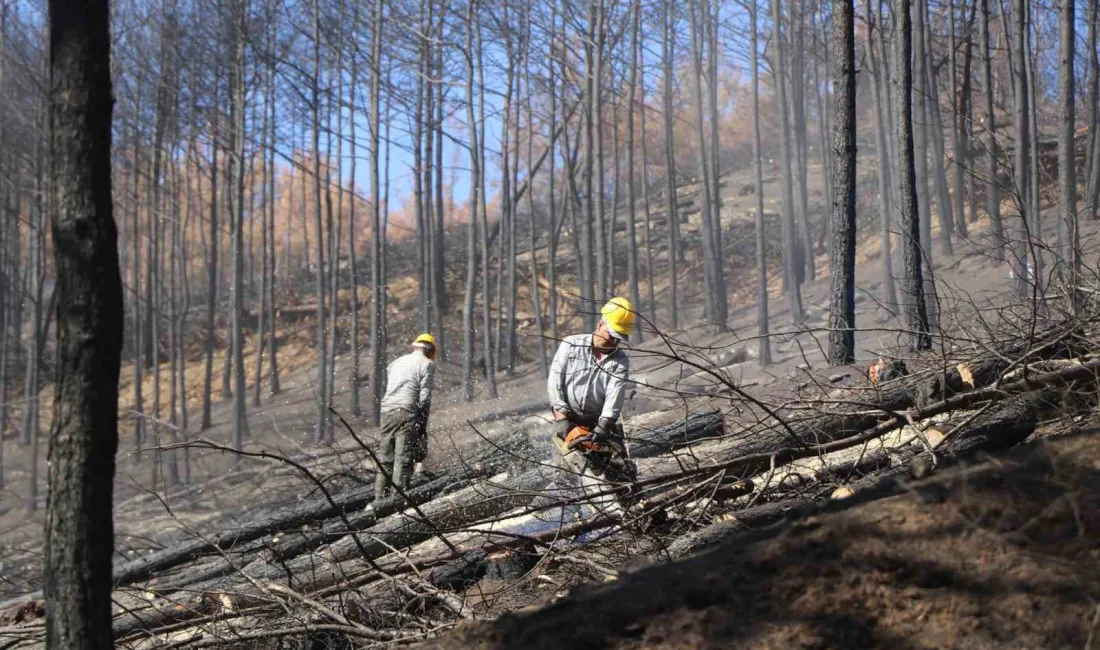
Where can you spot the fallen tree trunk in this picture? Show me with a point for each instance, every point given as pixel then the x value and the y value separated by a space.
pixel 486 462
pixel 146 567
pixel 646 444
pixel 480 502
pixel 289 544
pixel 1009 423
pixel 863 409
pixel 489 500
pixel 752 464
pixel 870 463
pixel 293 544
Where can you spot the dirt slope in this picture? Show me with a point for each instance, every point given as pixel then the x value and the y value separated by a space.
pixel 1002 554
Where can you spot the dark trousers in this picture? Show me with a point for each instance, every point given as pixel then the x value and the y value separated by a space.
pixel 400 448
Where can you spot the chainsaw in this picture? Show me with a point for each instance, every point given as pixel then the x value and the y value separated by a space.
pixel 608 462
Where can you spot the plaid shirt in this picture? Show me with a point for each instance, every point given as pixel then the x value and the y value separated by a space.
pixel 583 387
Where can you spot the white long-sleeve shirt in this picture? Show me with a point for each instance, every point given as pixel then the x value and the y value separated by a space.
pixel 581 385
pixel 409 381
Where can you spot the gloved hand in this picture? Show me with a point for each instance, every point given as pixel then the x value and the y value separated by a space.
pixel 608 439
pixel 603 439
pixel 562 427
pixel 612 436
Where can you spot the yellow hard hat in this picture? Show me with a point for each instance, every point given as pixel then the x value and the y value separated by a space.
pixel 425 338
pixel 619 316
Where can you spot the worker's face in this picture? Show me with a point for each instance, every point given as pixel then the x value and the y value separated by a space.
pixel 602 339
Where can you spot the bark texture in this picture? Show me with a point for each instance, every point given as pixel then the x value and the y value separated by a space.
pixel 842 318
pixel 84 437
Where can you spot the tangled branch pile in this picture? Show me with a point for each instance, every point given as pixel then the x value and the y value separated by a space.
pixel 340 566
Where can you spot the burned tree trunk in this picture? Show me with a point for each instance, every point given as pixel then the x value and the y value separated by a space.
pixel 764 355
pixel 1020 131
pixel 993 199
pixel 792 252
pixel 842 320
pixel 878 84
pixel 1093 152
pixel 84 436
pixel 913 288
pixel 1069 264
pixel 668 49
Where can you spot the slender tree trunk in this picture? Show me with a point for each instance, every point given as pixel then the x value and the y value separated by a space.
pixel 791 258
pixel 993 199
pixel 923 119
pixel 966 126
pixel 764 354
pixel 185 308
pixel 631 194
pixel 353 233
pixel 536 300
pixel 291 182
pixel 913 287
pixel 388 118
pixel 305 203
pixel 603 256
pixel 230 210
pixel 334 222
pixel 552 244
pixel 796 79
pixel 36 247
pixel 468 333
pixel 135 278
pixel 651 301
pixel 824 118
pixel 153 293
pixel 425 140
pixel 671 213
pixel 842 319
pixel 1069 264
pixel 1035 240
pixel 482 206
pixel 319 252
pixel 423 292
pixel 1021 173
pixel 888 81
pixel 588 257
pixel 1092 204
pixel 935 129
pixel 704 195
pixel 889 292
pixel 503 229
pixel 958 127
pixel 442 299
pixel 378 280
pixel 273 343
pixel 920 142
pixel 510 169
pixel 211 280
pixel 175 390
pixel 721 298
pixel 265 171
pixel 612 213
pixel 79 538
pixel 237 108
